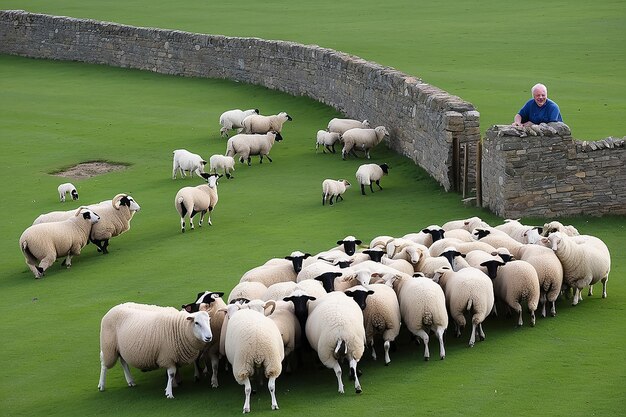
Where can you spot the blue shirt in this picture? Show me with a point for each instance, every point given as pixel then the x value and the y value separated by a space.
pixel 547 113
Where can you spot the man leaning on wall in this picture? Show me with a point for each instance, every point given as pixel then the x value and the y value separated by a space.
pixel 539 109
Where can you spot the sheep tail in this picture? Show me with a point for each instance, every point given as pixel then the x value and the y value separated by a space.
pixel 338 347
pixel 27 252
pixel 469 304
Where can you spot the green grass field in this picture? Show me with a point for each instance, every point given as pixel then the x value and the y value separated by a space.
pixel 56 114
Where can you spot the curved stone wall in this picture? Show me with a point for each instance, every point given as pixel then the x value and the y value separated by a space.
pixel 426 124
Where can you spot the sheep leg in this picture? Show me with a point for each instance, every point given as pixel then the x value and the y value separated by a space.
pixel 103 373
pixel 386 346
pixel 247 391
pixel 367 154
pixel 129 378
pixel 323 198
pixel 576 296
pixel 543 299
pixel 590 292
pixel 215 361
pixel 338 197
pixel 604 281
pixel 424 336
pixel 473 336
pixel 337 369
pixel 357 384
pixel 442 349
pixel 209 217
pixel 268 158
pixel 532 318
pixel 331 200
pixel 481 334
pixel 46 262
pixel 374 357
pixel 182 224
pixel 362 189
pixel 378 183
pixel 171 374
pixel 249 159
pixel 371 187
pixel 271 385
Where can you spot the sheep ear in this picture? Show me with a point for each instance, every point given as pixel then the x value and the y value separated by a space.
pixel 270 303
pixel 186 307
pixel 340 242
pixel 358 242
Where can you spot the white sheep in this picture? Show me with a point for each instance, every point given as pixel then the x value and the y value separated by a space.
pixel 367 174
pixel 41 244
pixel 422 307
pixel 334 329
pixel 427 235
pixel 67 188
pixel 277 269
pixel 233 119
pixel 278 291
pixel 199 199
pixel 333 189
pixel 327 140
pixel 380 242
pixel 516 281
pixel 252 144
pixel 362 140
pixel 187 161
pixel 285 319
pixel 222 162
pixel 252 340
pixel 585 259
pixel 114 220
pixel 257 123
pixel 518 231
pixel 438 247
pixel 467 224
pixel 151 337
pixel 555 226
pixel 248 290
pixel 469 289
pixel 340 126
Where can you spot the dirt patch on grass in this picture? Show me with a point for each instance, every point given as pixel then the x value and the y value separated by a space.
pixel 90 169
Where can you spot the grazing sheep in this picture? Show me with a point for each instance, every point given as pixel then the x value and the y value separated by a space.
pixel 41 244
pixel 114 220
pixel 555 226
pixel 252 341
pixel 67 188
pixel 187 161
pixel 469 289
pixel 362 140
pixel 381 316
pixel 342 125
pixel 326 140
pixel 151 337
pixel 585 259
pixel 367 174
pixel 233 119
pixel 252 144
pixel 422 307
pixel 257 123
pixel 199 199
pixel 225 163
pixel 333 188
pixel 334 329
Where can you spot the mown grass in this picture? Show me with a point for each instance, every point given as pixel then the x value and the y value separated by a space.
pixel 55 114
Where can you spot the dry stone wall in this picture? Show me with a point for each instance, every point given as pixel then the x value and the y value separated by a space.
pixel 543 172
pixel 425 122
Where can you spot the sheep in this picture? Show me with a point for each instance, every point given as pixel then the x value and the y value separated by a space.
pixel 467 224
pixel 342 125
pixel 381 316
pixel 348 244
pixel 401 265
pixel 420 258
pixel 555 226
pixel 187 161
pixel 439 246
pixel 276 270
pixel 225 163
pixel 199 199
pixel 426 236
pixel 585 261
pixel 285 319
pixel 333 188
pixel 367 174
pixel 151 337
pixel 422 307
pixel 374 254
pixel 455 258
pixel 252 340
pixel 380 242
pixel 326 140
pixel 114 220
pixel 257 123
pixel 278 291
pixel 248 290
pixel 67 188
pixel 233 119
pixel 362 140
pixel 468 289
pixel 252 144
pixel 517 280
pixel 516 230
pixel 41 244
pixel 334 329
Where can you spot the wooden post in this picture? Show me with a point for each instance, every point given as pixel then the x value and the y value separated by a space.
pixel 465 170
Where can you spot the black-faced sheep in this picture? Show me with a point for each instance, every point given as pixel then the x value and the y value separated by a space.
pixel 114 220
pixel 67 188
pixel 192 200
pixel 326 140
pixel 362 140
pixel 367 174
pixel 333 189
pixel 257 123
pixel 252 144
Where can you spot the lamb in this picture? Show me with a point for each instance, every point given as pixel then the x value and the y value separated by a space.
pixel 256 123
pixel 221 162
pixel 333 188
pixel 585 261
pixel 555 226
pixel 252 144
pixel 253 340
pixel 326 140
pixel 468 289
pixel 362 140
pixel 334 329
pixel 381 316
pixel 114 220
pixel 422 307
pixel 151 337
pixel 187 161
pixel 233 119
pixel 199 199
pixel 277 270
pixel 342 125
pixel 67 188
pixel 41 244
pixel 367 174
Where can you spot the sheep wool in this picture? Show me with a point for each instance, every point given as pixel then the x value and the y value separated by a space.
pixel 342 125
pixel 362 140
pixel 257 123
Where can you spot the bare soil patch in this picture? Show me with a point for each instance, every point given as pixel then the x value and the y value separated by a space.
pixel 90 169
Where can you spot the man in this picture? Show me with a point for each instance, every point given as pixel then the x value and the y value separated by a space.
pixel 538 109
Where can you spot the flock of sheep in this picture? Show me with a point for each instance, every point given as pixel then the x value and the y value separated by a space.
pixel 353 296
